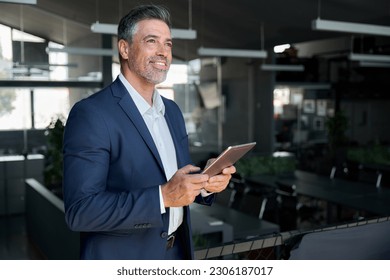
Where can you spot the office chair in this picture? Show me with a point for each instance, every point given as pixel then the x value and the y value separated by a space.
pixel 226 197
pixel 370 176
pixel 260 205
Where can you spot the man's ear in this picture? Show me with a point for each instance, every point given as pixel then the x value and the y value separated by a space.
pixel 123 48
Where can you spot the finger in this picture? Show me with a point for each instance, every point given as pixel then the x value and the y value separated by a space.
pixel 220 178
pixel 196 187
pixel 210 161
pixel 189 169
pixel 215 188
pixel 229 170
pixel 218 183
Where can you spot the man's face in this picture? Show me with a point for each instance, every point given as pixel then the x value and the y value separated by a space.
pixel 150 53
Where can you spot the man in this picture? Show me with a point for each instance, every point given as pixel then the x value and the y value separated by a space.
pixel 128 180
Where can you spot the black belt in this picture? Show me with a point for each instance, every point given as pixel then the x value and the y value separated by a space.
pixel 171 240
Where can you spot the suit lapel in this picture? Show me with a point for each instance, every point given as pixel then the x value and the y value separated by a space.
pixel 128 106
pixel 176 138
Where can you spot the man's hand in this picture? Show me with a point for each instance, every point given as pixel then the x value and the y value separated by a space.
pixel 183 187
pixel 219 182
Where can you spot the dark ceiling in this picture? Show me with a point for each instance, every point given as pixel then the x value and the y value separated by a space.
pixel 221 24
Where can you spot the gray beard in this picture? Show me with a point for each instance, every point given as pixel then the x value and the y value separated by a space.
pixel 154 76
pixel 151 75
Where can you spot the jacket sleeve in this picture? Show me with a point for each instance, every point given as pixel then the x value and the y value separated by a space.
pixel 89 205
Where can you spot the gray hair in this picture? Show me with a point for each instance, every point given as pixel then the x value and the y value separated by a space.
pixel 128 24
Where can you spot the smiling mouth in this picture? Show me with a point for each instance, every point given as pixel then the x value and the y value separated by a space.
pixel 161 65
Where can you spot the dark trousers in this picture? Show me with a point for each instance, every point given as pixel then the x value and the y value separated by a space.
pixel 177 252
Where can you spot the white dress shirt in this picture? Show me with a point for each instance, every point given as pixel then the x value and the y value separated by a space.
pixel 158 128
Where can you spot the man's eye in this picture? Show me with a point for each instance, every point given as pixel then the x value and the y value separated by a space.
pixel 169 45
pixel 151 41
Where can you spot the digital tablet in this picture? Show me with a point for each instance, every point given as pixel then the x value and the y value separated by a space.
pixel 227 158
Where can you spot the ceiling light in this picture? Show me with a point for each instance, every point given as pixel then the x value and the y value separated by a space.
pixel 188 34
pixel 374 64
pixel 44 65
pixel 106 28
pixel 32 2
pixel 83 51
pixel 369 57
pixel 282 67
pixel 281 48
pixel 232 53
pixel 342 26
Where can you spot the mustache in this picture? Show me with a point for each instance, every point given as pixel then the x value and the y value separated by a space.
pixel 159 58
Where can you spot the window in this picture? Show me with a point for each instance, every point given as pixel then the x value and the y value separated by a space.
pixel 15 109
pixel 26 108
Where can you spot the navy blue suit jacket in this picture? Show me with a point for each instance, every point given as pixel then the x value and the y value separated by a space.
pixel 112 173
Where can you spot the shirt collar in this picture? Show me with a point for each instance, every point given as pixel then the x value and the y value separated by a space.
pixel 140 102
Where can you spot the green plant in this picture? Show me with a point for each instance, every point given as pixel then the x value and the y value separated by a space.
pixel 200 241
pixel 376 154
pixel 257 165
pixel 336 127
pixel 53 158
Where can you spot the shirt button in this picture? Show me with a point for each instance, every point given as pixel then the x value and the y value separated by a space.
pixel 164 234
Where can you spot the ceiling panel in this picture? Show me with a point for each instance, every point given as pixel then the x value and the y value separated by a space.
pixel 223 23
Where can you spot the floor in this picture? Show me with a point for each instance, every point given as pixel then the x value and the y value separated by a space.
pixel 14 242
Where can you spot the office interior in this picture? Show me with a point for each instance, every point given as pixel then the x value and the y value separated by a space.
pixel 308 81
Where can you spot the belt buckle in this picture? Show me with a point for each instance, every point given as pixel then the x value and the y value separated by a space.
pixel 170 241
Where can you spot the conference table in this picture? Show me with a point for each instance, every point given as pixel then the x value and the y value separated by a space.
pixel 353 194
pixel 244 226
pixel 206 225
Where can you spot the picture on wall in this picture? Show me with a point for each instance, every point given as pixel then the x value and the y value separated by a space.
pixel 309 106
pixel 321 107
pixel 304 122
pixel 318 123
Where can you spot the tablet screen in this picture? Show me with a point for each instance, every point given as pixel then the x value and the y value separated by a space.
pixel 227 158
